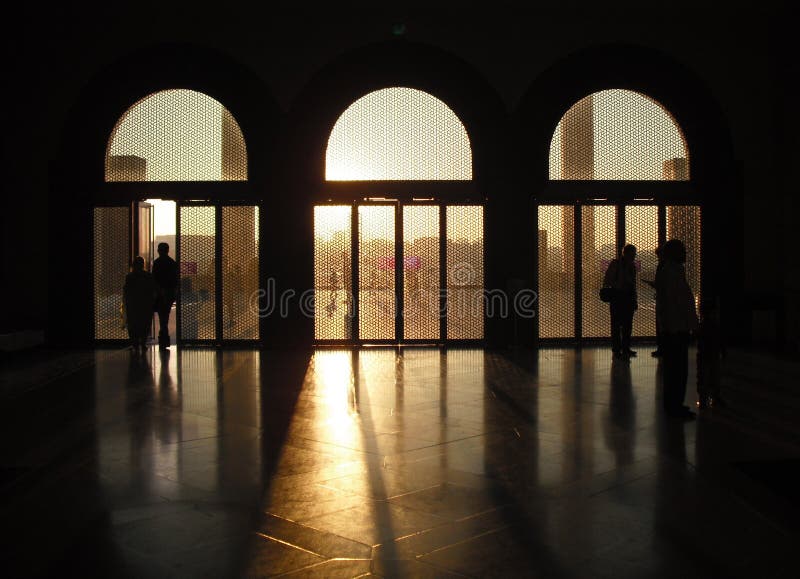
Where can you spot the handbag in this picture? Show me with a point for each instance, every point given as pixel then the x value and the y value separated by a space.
pixel 607 294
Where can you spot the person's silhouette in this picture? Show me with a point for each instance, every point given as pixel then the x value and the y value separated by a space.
pixel 621 275
pixel 140 292
pixel 165 272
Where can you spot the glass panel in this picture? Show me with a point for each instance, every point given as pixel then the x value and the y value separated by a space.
pixel 684 223
pixel 376 280
pixel 240 273
pixel 333 280
pixel 641 229
pixel 398 133
pixel 421 272
pixel 556 271
pixel 176 135
pixel 198 273
pixel 111 265
pixel 598 237
pixel 618 135
pixel 464 272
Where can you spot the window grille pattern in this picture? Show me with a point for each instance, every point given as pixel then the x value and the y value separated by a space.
pixel 618 135
pixel 641 229
pixel 683 222
pixel 111 265
pixel 598 239
pixel 376 277
pixel 240 272
pixel 176 135
pixel 421 294
pixel 198 272
pixel 465 303
pixel 556 271
pixel 333 280
pixel 398 133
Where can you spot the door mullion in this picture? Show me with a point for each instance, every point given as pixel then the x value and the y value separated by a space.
pixel 399 270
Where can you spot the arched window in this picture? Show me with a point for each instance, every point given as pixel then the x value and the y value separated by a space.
pixel 625 142
pixel 176 135
pixel 618 135
pixel 172 140
pixel 398 134
pixel 391 253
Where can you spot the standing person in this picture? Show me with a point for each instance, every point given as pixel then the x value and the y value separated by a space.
pixel 653 283
pixel 678 320
pixel 165 272
pixel 139 293
pixel 621 276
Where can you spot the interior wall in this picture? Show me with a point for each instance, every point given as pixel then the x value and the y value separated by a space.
pixel 739 56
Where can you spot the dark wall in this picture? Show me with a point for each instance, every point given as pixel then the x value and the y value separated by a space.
pixel 286 76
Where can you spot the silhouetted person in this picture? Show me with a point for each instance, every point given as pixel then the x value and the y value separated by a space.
pixel 140 293
pixel 678 320
pixel 621 275
pixel 165 272
pixel 652 283
pixel 710 351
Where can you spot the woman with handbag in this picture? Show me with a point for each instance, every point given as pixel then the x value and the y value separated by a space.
pixel 139 294
pixel 621 277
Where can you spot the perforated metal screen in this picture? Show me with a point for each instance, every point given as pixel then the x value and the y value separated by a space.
pixel 421 294
pixel 376 272
pixel 111 265
pixel 683 222
pixel 556 271
pixel 641 229
pixel 333 283
pixel 465 299
pixel 198 272
pixel 240 272
pixel 176 135
pixel 398 133
pixel 618 135
pixel 598 238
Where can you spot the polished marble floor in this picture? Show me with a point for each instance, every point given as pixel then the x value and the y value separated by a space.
pixel 389 462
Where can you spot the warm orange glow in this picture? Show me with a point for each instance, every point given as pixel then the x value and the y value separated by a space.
pixel 398 133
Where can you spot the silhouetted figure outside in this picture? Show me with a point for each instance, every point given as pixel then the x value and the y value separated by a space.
pixel 621 275
pixel 652 283
pixel 139 293
pixel 710 351
pixel 678 320
pixel 165 272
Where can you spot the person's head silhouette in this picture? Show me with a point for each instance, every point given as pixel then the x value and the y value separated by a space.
pixel 138 263
pixel 629 253
pixel 163 248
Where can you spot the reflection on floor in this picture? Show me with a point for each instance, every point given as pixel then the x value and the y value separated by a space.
pixel 411 462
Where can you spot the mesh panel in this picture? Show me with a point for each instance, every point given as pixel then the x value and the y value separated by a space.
pixel 111 248
pixel 240 273
pixel 376 280
pixel 598 236
pixel 398 134
pixel 618 135
pixel 176 135
pixel 421 272
pixel 198 275
pixel 464 272
pixel 333 280
pixel 641 229
pixel 684 223
pixel 556 271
